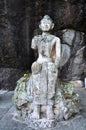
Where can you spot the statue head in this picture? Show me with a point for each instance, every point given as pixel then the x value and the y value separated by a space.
pixel 46 24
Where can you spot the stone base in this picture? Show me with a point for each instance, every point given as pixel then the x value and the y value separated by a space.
pixel 41 123
pixel 36 123
pixel 17 119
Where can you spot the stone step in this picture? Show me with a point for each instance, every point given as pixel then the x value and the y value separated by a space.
pixel 3 92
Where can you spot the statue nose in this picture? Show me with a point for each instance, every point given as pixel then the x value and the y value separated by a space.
pixel 46 25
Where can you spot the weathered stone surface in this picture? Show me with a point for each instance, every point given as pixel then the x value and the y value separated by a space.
pixel 3 92
pixel 17 28
pixel 7 123
pixel 44 87
pixel 19 22
pixel 9 77
pixel 76 66
pixel 42 84
pixel 77 83
pixel 66 51
pixel 14 39
pixel 5 103
pixel 68 36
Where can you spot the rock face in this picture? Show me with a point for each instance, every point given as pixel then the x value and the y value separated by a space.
pixel 19 22
pixel 75 67
pixel 14 35
pixel 9 76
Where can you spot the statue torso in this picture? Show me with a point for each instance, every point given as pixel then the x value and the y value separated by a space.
pixel 45 44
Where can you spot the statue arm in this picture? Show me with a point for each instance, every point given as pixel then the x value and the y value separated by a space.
pixel 58 52
pixel 34 43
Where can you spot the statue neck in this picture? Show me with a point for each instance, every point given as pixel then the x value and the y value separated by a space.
pixel 45 33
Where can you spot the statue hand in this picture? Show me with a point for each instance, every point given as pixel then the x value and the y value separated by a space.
pixel 36 68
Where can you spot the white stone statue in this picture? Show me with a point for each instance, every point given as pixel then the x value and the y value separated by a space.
pixel 42 99
pixel 45 69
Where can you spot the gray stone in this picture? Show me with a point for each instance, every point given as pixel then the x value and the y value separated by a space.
pixel 2 92
pixel 85 82
pixel 78 122
pixel 41 123
pixel 18 24
pixel 9 77
pixel 66 51
pixel 5 103
pixel 68 36
pixel 77 83
pixel 74 69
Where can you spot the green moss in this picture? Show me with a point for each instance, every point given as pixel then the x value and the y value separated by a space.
pixel 20 93
pixel 24 78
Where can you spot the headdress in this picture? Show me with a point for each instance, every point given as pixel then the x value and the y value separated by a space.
pixel 46 17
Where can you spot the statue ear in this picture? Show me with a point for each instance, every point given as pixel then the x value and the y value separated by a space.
pixel 52 26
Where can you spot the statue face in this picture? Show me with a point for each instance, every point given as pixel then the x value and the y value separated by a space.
pixel 46 24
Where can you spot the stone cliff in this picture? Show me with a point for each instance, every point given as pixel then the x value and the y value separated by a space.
pixel 19 23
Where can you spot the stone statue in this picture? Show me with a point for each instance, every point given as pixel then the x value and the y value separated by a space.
pixel 45 69
pixel 47 99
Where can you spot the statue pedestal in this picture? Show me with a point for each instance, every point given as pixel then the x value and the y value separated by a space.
pixel 41 123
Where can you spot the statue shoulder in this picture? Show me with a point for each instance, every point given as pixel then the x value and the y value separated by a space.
pixel 36 37
pixel 35 41
pixel 55 37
